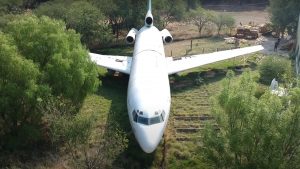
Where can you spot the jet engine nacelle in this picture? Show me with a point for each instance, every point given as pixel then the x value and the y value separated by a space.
pixel 130 38
pixel 166 36
pixel 149 19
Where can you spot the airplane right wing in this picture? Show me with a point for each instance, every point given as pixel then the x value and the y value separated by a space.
pixel 189 62
pixel 117 63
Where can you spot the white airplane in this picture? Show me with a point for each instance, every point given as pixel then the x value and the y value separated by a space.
pixel 148 97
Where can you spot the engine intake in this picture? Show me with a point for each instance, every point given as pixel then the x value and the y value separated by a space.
pixel 166 36
pixel 149 19
pixel 130 38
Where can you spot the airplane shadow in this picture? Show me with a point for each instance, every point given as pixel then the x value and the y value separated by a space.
pixel 115 89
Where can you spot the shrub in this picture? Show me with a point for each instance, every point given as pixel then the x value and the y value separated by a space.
pixel 83 17
pixel 39 59
pixel 20 92
pixel 89 146
pixel 58 53
pixel 253 132
pixel 275 67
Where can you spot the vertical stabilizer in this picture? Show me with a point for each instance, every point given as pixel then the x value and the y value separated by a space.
pixel 149 6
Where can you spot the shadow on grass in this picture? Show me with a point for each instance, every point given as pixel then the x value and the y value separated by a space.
pixel 120 51
pixel 189 81
pixel 115 89
pixel 186 82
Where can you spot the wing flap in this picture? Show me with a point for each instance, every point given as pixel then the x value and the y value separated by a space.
pixel 117 63
pixel 189 62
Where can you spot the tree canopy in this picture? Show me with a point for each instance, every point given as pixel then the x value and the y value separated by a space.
pixel 39 59
pixel 253 132
pixel 200 17
pixel 281 18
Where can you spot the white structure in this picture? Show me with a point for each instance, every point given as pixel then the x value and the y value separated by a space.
pixel 275 89
pixel 274 85
pixel 149 98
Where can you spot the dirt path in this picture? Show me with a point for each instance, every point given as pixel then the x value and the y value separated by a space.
pixel 269 43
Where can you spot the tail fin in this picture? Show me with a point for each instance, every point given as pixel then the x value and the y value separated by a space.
pixel 149 16
pixel 149 6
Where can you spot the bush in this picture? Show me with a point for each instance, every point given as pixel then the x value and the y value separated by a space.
pixel 88 145
pixel 39 59
pixel 83 17
pixel 87 20
pixel 58 54
pixel 253 132
pixel 20 92
pixel 275 67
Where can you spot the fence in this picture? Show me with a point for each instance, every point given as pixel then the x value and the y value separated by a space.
pixel 235 7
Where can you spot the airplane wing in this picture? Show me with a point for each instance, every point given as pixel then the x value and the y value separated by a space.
pixel 117 63
pixel 188 62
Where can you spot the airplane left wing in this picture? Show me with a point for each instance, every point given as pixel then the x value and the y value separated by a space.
pixel 189 62
pixel 117 63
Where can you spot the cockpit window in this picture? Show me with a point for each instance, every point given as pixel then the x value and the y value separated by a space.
pixel 148 121
pixel 134 115
pixel 155 120
pixel 143 120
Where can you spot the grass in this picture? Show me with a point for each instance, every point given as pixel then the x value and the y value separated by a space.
pixel 126 50
pixel 188 97
pixel 110 104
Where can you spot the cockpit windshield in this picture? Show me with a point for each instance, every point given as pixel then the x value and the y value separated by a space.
pixel 148 121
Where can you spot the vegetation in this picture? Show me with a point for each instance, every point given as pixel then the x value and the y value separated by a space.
pixel 253 132
pixel 168 11
pixel 275 67
pixel 46 78
pixel 102 23
pixel 283 20
pixel 20 93
pixel 200 17
pixel 83 17
pixel 223 21
pixel 35 65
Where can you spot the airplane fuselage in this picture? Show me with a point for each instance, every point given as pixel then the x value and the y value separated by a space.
pixel 148 99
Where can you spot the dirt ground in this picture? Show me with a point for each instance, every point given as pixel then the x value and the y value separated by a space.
pixel 183 32
pixel 244 17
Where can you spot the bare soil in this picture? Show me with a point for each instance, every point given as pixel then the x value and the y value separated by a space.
pixel 183 32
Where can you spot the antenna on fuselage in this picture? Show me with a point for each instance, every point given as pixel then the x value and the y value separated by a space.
pixel 149 16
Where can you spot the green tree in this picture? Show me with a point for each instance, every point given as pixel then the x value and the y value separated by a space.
pixel 200 17
pixel 39 59
pixel 81 16
pixel 52 9
pixel 285 20
pixel 90 23
pixel 20 93
pixel 167 11
pixel 58 54
pixel 18 6
pixel 275 67
pixel 223 21
pixel 253 132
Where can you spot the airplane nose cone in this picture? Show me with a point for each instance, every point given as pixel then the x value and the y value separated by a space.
pixel 149 137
